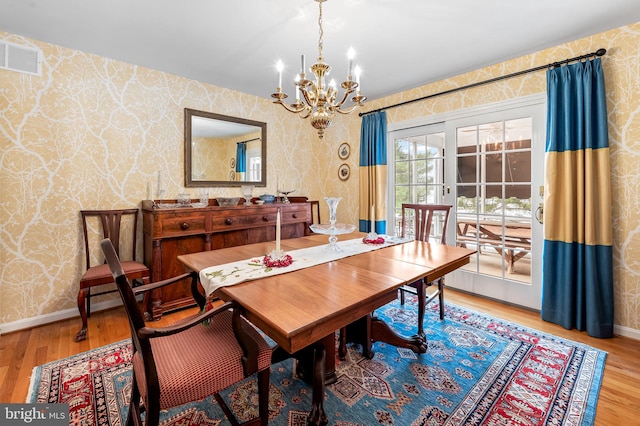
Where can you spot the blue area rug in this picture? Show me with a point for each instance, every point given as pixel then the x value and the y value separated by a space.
pixel 478 371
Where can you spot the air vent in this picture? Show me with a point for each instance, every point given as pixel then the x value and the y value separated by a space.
pixel 15 57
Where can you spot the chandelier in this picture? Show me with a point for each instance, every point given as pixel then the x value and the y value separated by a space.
pixel 320 101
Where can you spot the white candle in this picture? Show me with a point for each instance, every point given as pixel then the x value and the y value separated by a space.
pixel 279 67
pixel 373 218
pixel 302 65
pixel 160 183
pixel 350 55
pixel 278 232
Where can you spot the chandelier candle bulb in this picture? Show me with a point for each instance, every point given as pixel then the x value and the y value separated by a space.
pixel 301 64
pixel 350 54
pixel 279 67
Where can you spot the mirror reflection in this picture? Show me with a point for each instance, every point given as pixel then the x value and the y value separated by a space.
pixel 222 150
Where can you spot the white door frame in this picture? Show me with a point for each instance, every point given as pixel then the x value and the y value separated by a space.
pixel 524 294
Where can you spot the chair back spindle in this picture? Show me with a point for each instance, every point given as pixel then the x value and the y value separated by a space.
pixel 424 217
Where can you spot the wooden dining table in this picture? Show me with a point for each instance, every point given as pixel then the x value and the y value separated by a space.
pixel 301 310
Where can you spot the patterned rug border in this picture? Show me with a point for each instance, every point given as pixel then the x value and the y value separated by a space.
pixel 580 407
pixel 598 359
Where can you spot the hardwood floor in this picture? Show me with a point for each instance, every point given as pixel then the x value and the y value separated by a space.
pixel 619 402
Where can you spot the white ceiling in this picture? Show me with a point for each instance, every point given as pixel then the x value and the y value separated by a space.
pixel 400 44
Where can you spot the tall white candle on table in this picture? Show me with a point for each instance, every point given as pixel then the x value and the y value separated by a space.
pixel 278 232
pixel 373 218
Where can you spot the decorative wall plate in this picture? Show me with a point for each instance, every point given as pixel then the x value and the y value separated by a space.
pixel 344 150
pixel 232 175
pixel 344 172
pixel 233 163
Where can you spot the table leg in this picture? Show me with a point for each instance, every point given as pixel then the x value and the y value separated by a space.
pixel 381 332
pixel 317 416
pixel 311 363
pixel 510 260
pixel 305 368
pixel 370 329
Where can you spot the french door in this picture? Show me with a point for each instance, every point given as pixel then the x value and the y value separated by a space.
pixel 416 167
pixel 488 163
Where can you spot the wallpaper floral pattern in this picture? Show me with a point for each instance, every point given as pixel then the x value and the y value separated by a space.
pixel 93 133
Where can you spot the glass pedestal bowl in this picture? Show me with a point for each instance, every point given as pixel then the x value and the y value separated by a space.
pixel 333 230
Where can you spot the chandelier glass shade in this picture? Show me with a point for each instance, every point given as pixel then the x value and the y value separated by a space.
pixel 315 99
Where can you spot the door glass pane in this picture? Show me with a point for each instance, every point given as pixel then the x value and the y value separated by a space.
pixel 467 200
pixel 402 150
pixel 493 167
pixel 419 170
pixel 493 194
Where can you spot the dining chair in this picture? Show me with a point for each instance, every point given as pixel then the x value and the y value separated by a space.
pixel 425 222
pixel 121 227
pixel 193 358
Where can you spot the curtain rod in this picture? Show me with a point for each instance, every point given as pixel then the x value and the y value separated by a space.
pixel 599 52
pixel 250 140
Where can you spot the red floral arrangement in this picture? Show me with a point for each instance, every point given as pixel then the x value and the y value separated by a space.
pixel 378 240
pixel 277 263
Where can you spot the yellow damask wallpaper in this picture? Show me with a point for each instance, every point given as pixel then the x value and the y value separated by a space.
pixel 93 132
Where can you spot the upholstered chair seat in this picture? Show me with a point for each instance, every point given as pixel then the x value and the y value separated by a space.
pixel 208 357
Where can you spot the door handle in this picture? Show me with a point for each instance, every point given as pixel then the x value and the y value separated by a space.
pixel 539 213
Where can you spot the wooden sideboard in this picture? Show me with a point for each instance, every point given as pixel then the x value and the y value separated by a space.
pixel 170 232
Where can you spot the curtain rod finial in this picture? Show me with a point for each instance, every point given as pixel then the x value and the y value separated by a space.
pixel 601 52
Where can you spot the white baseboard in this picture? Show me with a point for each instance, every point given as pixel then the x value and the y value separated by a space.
pixel 55 316
pixel 632 333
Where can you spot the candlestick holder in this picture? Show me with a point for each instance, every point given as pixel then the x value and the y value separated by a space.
pixel 277 254
pixel 285 199
pixel 277 259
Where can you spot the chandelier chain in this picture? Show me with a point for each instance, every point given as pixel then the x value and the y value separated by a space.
pixel 320 32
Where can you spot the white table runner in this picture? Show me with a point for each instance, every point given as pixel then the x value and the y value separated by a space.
pixel 214 277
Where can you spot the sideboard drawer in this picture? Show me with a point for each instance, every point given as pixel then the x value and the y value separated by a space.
pixel 183 225
pixel 225 222
pixel 296 215
pixel 263 219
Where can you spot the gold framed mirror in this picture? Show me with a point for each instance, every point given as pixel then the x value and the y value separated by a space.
pixel 221 150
